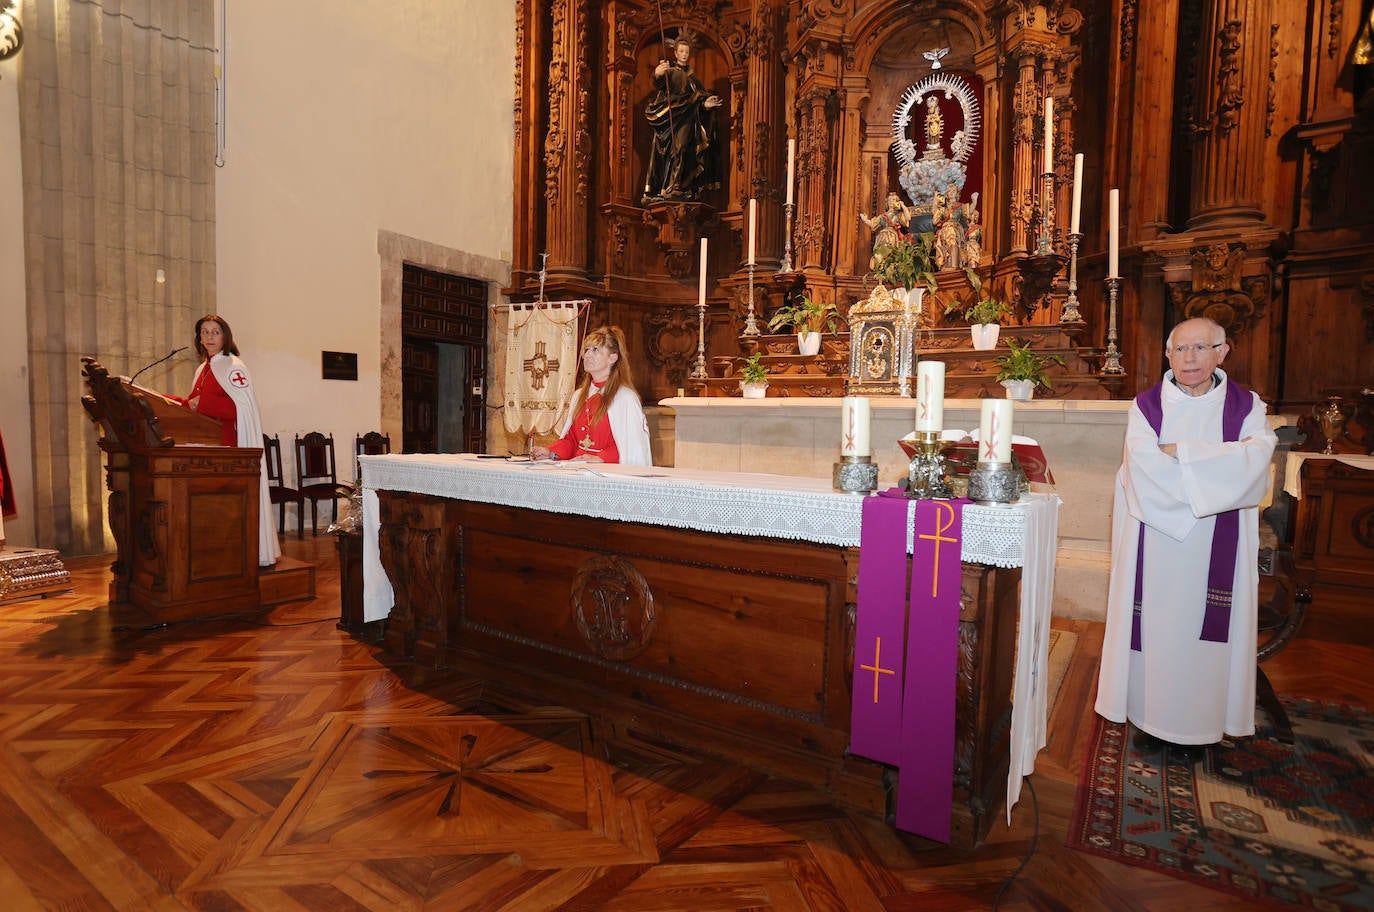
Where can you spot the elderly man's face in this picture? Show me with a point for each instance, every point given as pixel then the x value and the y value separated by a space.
pixel 1194 353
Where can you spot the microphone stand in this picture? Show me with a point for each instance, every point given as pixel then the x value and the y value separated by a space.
pixel 175 351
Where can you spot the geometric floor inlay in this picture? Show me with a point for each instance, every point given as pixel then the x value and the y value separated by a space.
pixel 451 784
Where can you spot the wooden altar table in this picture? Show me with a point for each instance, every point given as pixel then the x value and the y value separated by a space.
pixel 701 608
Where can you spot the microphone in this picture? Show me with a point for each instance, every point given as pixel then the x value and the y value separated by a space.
pixel 159 361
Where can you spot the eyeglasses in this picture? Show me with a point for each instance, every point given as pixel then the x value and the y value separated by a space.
pixel 1196 348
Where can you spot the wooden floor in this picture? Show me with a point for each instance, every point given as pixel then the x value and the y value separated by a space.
pixel 275 763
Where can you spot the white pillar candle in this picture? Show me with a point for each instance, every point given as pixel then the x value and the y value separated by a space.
pixel 701 280
pixel 930 396
pixel 1077 192
pixel 854 427
pixel 753 207
pixel 994 431
pixel 1049 133
pixel 1113 227
pixel 791 155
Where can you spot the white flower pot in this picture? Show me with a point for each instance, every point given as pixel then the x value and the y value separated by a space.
pixel 914 298
pixel 984 335
pixel 808 343
pixel 753 390
pixel 1019 389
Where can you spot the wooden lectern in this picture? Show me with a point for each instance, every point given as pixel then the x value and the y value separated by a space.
pixel 183 509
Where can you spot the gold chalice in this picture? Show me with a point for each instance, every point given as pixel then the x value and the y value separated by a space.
pixel 1331 415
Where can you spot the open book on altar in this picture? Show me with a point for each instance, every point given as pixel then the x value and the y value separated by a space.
pixel 961 451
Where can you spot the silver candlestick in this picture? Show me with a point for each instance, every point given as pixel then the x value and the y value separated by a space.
pixel 927 475
pixel 993 483
pixel 1071 314
pixel 751 327
pixel 1112 364
pixel 854 475
pixel 1045 245
pixel 786 264
pixel 699 368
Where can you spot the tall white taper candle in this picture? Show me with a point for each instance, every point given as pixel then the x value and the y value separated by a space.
pixel 930 396
pixel 1077 192
pixel 791 156
pixel 1049 133
pixel 854 427
pixel 753 209
pixel 701 279
pixel 1113 229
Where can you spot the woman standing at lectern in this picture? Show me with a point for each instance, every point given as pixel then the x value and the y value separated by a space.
pixel 224 390
pixel 606 421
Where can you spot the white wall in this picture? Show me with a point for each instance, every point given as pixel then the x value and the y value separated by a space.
pixel 346 118
pixel 15 424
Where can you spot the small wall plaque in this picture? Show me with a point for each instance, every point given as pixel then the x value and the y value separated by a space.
pixel 339 365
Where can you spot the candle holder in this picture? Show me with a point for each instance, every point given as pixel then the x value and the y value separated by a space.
pixel 751 326
pixel 994 483
pixel 1045 245
pixel 855 475
pixel 699 368
pixel 1112 363
pixel 1071 314
pixel 927 475
pixel 786 264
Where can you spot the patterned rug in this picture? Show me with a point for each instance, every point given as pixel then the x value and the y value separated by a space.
pixel 1288 824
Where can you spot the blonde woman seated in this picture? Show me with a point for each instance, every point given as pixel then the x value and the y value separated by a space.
pixel 606 421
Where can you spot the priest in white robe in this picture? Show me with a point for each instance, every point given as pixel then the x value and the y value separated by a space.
pixel 1178 655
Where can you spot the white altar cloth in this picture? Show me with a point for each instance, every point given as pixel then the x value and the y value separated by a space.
pixel 777 506
pixel 1292 475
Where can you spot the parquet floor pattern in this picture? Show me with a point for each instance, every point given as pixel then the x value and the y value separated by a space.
pixel 273 762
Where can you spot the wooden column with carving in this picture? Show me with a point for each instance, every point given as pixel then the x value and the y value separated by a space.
pixel 1229 117
pixel 1026 103
pixel 765 138
pixel 568 142
pixel 531 94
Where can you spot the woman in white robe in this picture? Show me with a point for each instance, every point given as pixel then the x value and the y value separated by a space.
pixel 223 389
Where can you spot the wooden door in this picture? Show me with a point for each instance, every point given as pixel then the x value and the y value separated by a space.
pixel 440 309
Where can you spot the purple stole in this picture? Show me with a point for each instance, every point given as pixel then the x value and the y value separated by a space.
pixel 1221 570
pixel 906 656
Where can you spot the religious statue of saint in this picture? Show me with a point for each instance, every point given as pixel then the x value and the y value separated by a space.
pixel 973 233
pixel 935 123
pixel 888 227
pixel 683 159
pixel 944 216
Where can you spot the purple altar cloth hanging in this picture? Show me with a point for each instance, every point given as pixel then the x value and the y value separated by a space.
pixel 880 631
pixel 916 734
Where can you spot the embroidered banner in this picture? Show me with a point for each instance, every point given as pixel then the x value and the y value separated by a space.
pixel 903 698
pixel 541 365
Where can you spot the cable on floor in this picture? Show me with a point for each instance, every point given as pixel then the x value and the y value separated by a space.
pixel 1035 839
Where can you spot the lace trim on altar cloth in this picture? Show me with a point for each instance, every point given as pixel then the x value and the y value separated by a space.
pixel 735 503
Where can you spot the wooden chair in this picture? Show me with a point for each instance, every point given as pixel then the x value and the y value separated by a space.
pixel 315 473
pixel 373 443
pixel 277 490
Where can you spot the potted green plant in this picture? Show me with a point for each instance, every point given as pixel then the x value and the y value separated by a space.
pixel 1021 370
pixel 808 319
pixel 753 378
pixel 984 314
pixel 906 265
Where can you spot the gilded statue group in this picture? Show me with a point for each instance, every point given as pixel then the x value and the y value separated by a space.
pixel 958 235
